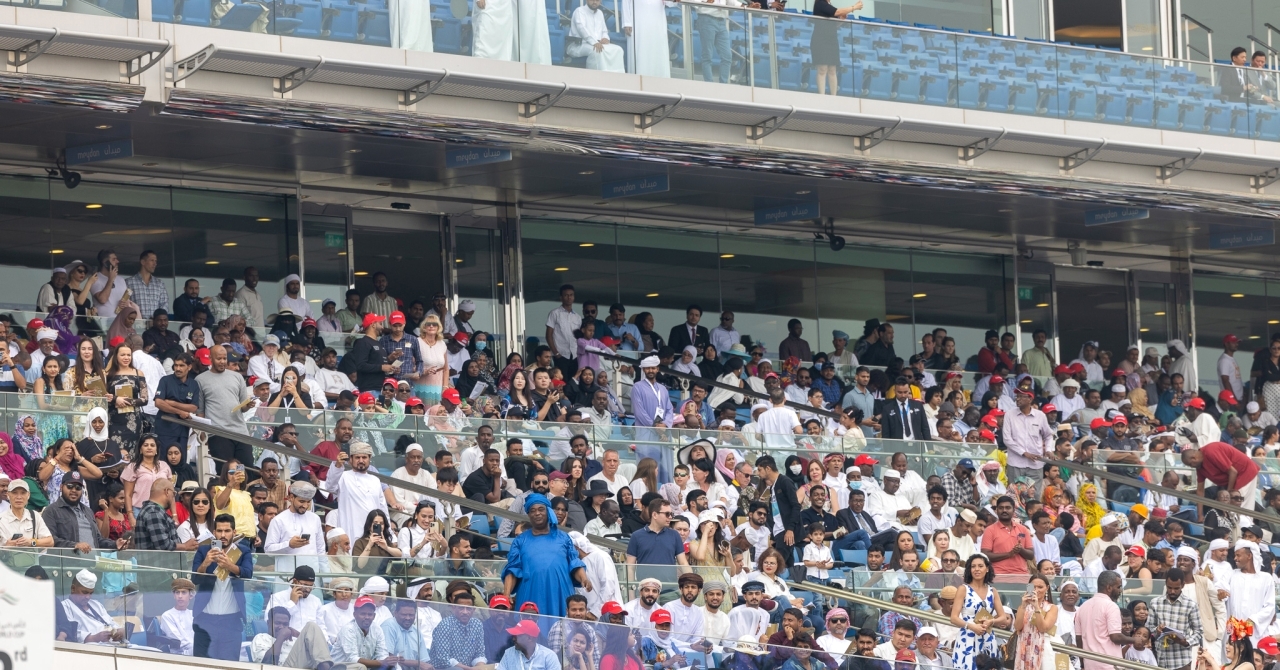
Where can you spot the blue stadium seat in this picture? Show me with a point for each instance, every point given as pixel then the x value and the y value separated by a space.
pixel 162 11
pixel 1266 125
pixel 877 81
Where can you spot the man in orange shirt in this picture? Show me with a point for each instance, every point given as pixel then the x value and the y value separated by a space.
pixel 1007 543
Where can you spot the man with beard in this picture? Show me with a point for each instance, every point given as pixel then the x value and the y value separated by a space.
pixel 640 609
pixel 358 491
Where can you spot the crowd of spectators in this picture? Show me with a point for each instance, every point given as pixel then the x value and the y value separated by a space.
pixel 728 536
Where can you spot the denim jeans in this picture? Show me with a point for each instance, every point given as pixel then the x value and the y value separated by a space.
pixel 855 540
pixel 714 32
pixel 817 610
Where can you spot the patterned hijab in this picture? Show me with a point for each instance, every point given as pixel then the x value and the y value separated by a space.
pixel 30 445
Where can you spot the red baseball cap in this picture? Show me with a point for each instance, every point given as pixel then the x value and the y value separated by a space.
pixel 1048 407
pixel 996 412
pixel 1077 367
pixel 1062 370
pixel 1268 646
pixel 115 341
pixel 525 627
pixel 34 325
pixel 370 319
pixel 1136 550
pixel 366 398
pixel 1228 397
pixel 202 355
pixel 499 600
pixel 987 435
pixel 396 317
pixel 997 379
pixel 308 322
pixel 1120 420
pixel 1196 403
pixel 609 342
pixel 452 396
pixel 660 616
pixel 864 459
pixel 461 337
pixel 390 381
pixel 771 374
pixel 364 600
pixel 990 421
pixel 529 607
pixel 612 607
pixel 1229 337
pixel 1020 391
pixel 1117 373
pixel 1099 423
pixel 413 402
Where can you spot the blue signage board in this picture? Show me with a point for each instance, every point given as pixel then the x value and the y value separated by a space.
pixel 1098 217
pixel 783 213
pixel 1235 237
pixel 654 183
pixel 468 156
pixel 102 151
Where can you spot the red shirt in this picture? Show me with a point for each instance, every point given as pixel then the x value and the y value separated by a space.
pixel 997 539
pixel 327 449
pixel 1219 458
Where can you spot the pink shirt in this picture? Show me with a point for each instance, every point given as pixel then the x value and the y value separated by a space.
pixel 1096 620
pixel 142 479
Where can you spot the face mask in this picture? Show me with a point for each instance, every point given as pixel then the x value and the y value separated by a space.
pixel 481 345
pixel 795 469
pixel 855 486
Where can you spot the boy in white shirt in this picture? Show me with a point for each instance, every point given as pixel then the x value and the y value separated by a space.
pixel 817 556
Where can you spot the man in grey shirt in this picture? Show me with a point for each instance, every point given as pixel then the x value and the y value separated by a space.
pixel 221 393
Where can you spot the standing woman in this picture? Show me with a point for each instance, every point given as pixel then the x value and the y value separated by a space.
pixel 199 524
pixel 143 469
pixel 434 367
pixel 976 614
pixel 63 457
pixel 231 498
pixel 180 471
pixel 98 446
pixel 52 423
pixel 825 43
pixel 128 390
pixel 86 376
pixel 1036 625
pixel 1269 377
pixel 114 518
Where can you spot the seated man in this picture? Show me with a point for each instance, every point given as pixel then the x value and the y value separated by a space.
pixel 288 647
pixel 176 623
pixel 593 35
pixel 361 642
pixel 92 623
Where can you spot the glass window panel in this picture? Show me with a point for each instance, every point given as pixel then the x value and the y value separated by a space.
pixel 587 250
pixel 411 257
pixel 967 295
pixel 1236 305
pixel 1035 309
pixel 766 282
pixel 479 274
pixel 324 241
pixel 855 285
pixel 1156 315
pixel 665 271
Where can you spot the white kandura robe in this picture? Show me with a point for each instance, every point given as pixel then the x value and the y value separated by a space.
pixel 358 494
pixel 649 53
pixel 1253 597
pixel 589 26
pixel 411 21
pixel 494 30
pixel 533 36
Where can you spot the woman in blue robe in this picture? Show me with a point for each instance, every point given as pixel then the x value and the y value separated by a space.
pixel 543 566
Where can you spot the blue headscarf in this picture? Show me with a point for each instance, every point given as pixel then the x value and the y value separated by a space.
pixel 532 499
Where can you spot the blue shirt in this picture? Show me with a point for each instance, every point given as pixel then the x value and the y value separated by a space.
pixel 650 548
pixel 543 659
pixel 864 401
pixel 407 644
pixel 187 393
pixel 618 331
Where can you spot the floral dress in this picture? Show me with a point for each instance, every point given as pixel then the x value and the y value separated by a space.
pixel 126 424
pixel 1033 646
pixel 970 644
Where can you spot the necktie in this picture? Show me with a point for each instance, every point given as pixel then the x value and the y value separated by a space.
pixel 906 422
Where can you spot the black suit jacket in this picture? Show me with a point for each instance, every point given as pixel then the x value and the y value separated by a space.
pixel 679 337
pixel 1229 80
pixel 891 421
pixel 784 492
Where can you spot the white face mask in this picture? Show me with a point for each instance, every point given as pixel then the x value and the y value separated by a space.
pixel 795 469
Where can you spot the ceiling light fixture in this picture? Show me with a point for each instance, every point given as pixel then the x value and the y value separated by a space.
pixel 561 269
pixel 211 262
pixel 361 273
pixel 263 219
pixel 1273 322
pixel 651 295
pixel 587 172
pixel 587 244
pixel 354 151
pixel 1237 295
pixel 803 192
pixel 1144 330
pixel 105 126
pixel 726 255
pixel 920 295
pixel 1255 337
pixel 1160 313
pixel 230 244
pixel 55 251
pixel 1042 304
pixel 93 205
pixel 1026 321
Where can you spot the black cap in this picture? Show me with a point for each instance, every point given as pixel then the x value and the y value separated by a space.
pixel 304 573
pixel 73 477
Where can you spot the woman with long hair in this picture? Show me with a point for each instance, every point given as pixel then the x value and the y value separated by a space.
pixel 519 394
pixel 144 468
pixel 292 403
pixel 645 479
pixel 730 375
pixel 1239 649
pixel 230 497
pixel 199 524
pixel 704 476
pixel 129 392
pixel 578 651
pixel 939 543
pixel 1136 570
pixel 1036 623
pixel 710 366
pixel 514 362
pixel 573 467
pixel 114 516
pixel 52 423
pixel 768 572
pixel 63 456
pixel 87 377
pixel 814 476
pixel 903 542
pixel 434 355
pixel 375 542
pixel 620 650
pixel 976 614
pixel 420 539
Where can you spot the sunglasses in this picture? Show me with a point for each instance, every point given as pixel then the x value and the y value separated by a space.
pixel 74 487
pixel 199 502
pixel 840 620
